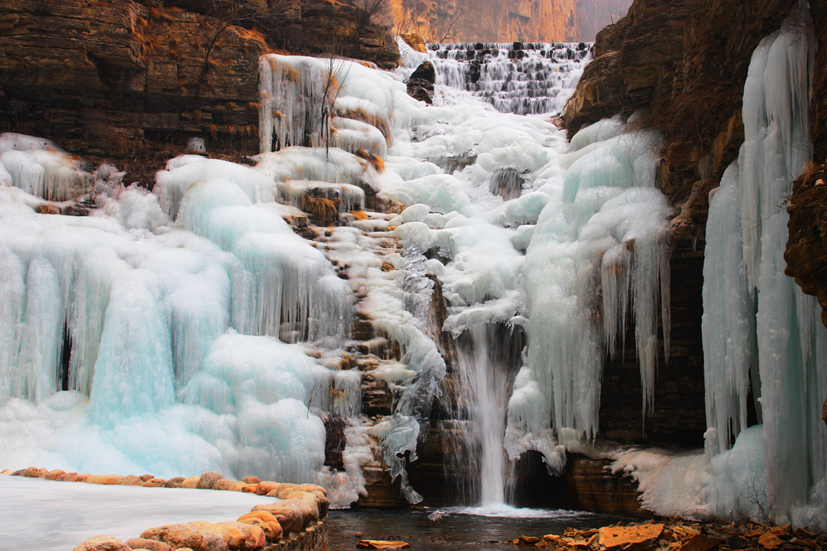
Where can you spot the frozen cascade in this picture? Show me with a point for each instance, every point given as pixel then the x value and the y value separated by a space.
pixel 762 336
pixel 513 77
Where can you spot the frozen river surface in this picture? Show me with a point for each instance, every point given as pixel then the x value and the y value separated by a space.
pixel 48 515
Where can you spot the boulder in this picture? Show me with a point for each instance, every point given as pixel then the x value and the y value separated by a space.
pixel 223 484
pixel 267 486
pixel 249 488
pixel 251 480
pixel 313 488
pixel 34 472
pixel 54 475
pixel 266 521
pixel 186 535
pixel 238 487
pixel 103 543
pixel 151 545
pixel 131 480
pixel 68 477
pixel 174 482
pixel 207 480
pixel 288 516
pixel 312 501
pixel 309 514
pixel 83 477
pixel 145 477
pixel 238 536
pixel 105 479
pixel 191 482
pixel 154 483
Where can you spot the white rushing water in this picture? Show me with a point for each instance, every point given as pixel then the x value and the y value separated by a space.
pixel 191 329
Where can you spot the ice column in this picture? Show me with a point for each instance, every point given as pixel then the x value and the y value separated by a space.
pixel 791 342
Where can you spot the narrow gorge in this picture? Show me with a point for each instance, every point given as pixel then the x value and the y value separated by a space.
pixel 521 269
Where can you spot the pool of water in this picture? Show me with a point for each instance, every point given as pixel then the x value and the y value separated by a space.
pixel 480 529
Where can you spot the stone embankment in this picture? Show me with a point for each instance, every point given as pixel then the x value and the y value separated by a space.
pixel 680 535
pixel 295 523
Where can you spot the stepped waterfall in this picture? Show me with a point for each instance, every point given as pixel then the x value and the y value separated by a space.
pixel 381 263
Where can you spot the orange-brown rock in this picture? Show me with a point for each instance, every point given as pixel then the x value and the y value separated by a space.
pixel 238 536
pixel 174 482
pixel 251 480
pixel 238 486
pixel 207 480
pixel 54 475
pixel 186 535
pixel 131 480
pixel 380 544
pixel 103 543
pixel 145 477
pixel 499 21
pixel 223 484
pixel 266 521
pixel 105 479
pixel 155 483
pixel 621 537
pixel 701 542
pixel 265 487
pixel 191 482
pixel 414 41
pixel 151 545
pixel 34 472
pixel 289 517
pixel 770 541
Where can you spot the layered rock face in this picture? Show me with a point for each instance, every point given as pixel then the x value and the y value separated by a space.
pixel 132 82
pixel 686 63
pixel 806 254
pixel 505 21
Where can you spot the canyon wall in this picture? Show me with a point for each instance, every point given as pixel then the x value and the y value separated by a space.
pixel 685 63
pixel 505 21
pixel 132 82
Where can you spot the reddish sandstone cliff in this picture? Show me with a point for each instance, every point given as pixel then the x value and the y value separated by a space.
pixel 505 20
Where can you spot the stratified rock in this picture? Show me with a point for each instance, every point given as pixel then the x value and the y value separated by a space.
pixel 152 545
pixel 207 480
pixel 186 535
pixel 103 543
pixel 414 41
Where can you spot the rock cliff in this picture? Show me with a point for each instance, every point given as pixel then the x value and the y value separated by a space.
pixel 132 82
pixel 505 21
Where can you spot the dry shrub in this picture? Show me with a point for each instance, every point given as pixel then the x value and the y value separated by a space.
pixel 322 210
pixel 375 160
pixel 160 15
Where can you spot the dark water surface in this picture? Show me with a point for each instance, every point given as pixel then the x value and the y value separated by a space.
pixel 456 529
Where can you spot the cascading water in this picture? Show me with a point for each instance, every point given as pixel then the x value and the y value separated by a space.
pixel 204 332
pixel 530 78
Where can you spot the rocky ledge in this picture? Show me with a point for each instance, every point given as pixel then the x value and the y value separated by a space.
pixel 680 535
pixel 295 523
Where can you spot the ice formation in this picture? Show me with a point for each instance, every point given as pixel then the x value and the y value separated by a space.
pixel 192 329
pixel 764 346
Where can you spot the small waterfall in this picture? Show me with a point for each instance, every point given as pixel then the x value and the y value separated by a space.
pixel 528 78
pixel 489 356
